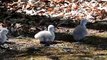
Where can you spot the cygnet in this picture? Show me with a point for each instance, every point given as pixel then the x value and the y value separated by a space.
pixel 3 35
pixel 46 36
pixel 80 31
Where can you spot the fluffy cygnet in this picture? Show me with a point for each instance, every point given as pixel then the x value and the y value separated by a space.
pixel 3 35
pixel 80 31
pixel 46 36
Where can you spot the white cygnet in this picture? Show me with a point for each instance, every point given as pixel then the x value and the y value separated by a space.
pixel 80 31
pixel 46 36
pixel 3 35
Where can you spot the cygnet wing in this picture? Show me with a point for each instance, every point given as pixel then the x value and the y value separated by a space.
pixel 79 32
pixel 42 34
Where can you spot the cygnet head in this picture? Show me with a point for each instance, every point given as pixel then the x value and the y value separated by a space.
pixel 51 28
pixel 4 31
pixel 83 22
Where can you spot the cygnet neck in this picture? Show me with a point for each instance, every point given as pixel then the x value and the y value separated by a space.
pixel 49 29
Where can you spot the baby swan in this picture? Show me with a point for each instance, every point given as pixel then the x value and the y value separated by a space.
pixel 80 31
pixel 3 35
pixel 46 36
